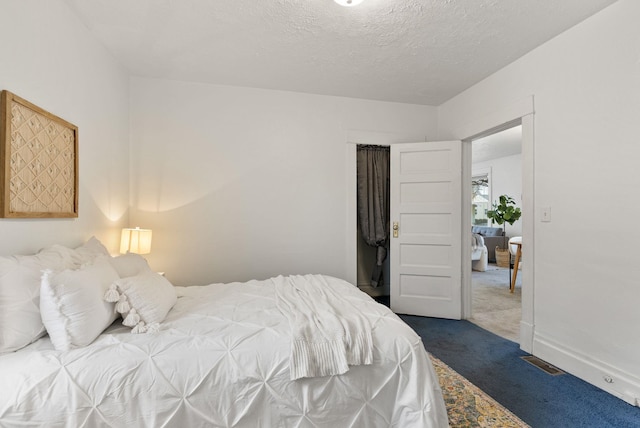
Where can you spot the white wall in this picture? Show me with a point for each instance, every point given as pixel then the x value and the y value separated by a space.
pixel 586 86
pixel 506 179
pixel 49 58
pixel 241 183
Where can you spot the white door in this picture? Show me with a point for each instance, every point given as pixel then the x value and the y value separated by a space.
pixel 426 201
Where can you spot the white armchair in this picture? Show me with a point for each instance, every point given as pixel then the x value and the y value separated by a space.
pixel 479 253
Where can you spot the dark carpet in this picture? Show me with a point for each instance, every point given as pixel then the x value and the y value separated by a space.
pixel 494 365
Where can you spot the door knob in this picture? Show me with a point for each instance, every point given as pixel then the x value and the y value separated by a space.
pixel 395 229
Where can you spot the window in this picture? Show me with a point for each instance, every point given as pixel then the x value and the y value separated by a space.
pixel 480 202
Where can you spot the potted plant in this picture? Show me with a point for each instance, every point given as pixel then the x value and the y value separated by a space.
pixel 503 212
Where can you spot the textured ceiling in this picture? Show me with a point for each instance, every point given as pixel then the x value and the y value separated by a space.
pixel 413 51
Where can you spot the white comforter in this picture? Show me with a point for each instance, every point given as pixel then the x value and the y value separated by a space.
pixel 221 359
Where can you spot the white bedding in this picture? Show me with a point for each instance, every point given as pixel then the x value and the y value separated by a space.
pixel 220 359
pixel 328 344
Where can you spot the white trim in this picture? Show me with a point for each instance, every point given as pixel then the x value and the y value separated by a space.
pixel 518 112
pixel 526 335
pixel 479 172
pixel 609 378
pixel 351 235
pixel 496 120
pixel 467 298
pixel 528 233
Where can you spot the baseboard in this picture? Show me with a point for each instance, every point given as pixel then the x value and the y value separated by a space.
pixel 526 336
pixel 611 379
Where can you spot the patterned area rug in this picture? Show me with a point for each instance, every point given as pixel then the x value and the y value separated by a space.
pixel 467 405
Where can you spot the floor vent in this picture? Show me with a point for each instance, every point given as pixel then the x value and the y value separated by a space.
pixel 543 365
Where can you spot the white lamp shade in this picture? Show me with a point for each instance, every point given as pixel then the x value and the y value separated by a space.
pixel 135 241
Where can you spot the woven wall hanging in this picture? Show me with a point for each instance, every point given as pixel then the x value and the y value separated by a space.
pixel 38 162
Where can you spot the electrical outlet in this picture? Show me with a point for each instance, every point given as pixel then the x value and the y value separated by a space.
pixel 546 214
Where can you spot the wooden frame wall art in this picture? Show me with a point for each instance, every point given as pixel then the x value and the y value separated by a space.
pixel 38 162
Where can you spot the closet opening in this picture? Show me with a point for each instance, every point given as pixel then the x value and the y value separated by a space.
pixel 373 212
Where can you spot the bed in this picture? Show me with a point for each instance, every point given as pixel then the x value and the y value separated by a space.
pixel 222 357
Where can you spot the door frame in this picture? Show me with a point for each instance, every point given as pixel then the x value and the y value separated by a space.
pixel 355 137
pixel 521 112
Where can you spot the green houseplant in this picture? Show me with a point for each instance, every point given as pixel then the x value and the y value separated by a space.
pixel 504 211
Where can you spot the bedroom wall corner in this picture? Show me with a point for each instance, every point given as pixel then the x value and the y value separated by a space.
pixel 50 58
pixel 241 183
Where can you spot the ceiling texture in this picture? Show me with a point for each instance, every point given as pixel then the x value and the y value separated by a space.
pixel 410 51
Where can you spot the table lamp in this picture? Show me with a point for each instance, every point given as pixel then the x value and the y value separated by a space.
pixel 135 241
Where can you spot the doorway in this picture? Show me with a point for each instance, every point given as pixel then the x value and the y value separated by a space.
pixel 508 115
pixel 373 180
pixel 496 169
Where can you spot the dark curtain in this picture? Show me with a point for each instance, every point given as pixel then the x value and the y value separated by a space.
pixel 373 202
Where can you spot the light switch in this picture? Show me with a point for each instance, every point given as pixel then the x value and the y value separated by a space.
pixel 546 214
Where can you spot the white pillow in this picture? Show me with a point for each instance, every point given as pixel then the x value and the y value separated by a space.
pixel 91 249
pixel 73 310
pixel 57 256
pixel 130 264
pixel 20 322
pixel 143 300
